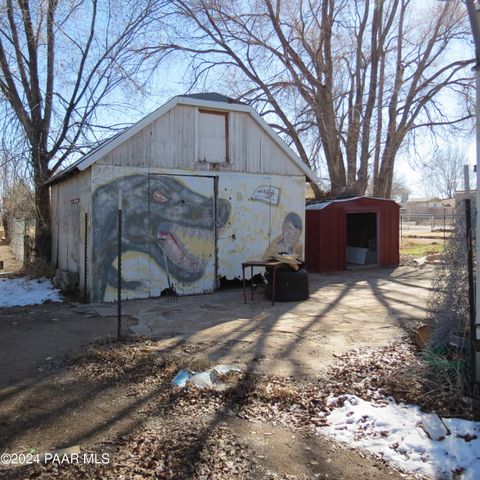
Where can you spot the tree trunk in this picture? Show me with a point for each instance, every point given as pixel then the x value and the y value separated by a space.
pixel 336 171
pixel 5 227
pixel 382 188
pixel 43 214
pixel 316 190
pixel 360 186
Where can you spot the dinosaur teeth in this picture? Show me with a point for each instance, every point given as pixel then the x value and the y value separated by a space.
pixel 199 243
pixel 187 248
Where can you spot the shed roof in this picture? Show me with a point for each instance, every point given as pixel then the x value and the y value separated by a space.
pixel 211 100
pixel 212 97
pixel 322 205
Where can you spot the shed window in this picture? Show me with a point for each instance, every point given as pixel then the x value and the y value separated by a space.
pixel 212 136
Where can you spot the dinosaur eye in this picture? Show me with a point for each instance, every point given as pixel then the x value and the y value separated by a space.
pixel 159 198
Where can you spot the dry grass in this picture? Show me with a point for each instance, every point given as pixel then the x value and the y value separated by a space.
pixel 38 268
pixel 277 392
pixel 132 359
pixel 177 450
pixel 197 363
pixel 420 249
pixel 398 370
pixel 408 375
pixel 175 445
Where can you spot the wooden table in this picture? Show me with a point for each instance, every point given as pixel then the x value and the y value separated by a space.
pixel 274 265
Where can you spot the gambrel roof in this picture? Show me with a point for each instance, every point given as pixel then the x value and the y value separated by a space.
pixel 212 101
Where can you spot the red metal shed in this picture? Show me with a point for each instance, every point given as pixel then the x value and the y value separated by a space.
pixel 360 227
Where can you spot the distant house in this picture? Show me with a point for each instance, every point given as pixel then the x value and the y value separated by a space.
pixel 428 206
pixel 204 184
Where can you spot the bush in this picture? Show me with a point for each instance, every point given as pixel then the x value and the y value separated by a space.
pixel 449 310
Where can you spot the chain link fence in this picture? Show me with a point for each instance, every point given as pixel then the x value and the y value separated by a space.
pixel 449 302
pixel 449 307
pixel 416 223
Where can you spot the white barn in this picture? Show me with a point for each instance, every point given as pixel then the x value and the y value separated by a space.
pixel 205 185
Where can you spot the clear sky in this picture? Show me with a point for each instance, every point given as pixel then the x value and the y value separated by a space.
pixel 409 170
pixel 169 81
pixel 408 167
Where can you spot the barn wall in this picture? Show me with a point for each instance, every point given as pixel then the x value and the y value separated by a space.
pixel 252 150
pixel 259 207
pixel 70 202
pixel 250 219
pixel 166 142
pixel 172 141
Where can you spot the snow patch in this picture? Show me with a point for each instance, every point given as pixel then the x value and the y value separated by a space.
pixel 398 434
pixel 21 291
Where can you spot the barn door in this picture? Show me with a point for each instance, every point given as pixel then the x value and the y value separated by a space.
pixel 168 235
pixel 182 211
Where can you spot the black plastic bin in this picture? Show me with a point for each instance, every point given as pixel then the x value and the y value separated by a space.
pixel 290 285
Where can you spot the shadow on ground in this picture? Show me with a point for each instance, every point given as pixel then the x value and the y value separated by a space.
pixel 345 311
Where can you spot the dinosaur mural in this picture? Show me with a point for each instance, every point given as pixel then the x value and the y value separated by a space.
pixel 163 219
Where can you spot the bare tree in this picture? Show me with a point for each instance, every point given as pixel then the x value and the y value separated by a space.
pixel 61 64
pixel 442 175
pixel 345 82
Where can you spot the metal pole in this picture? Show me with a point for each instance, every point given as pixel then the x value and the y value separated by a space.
pixel 472 9
pixel 26 251
pixel 85 262
pixel 444 226
pixel 119 267
pixel 477 227
pixel 474 17
pixel 471 293
pixel 401 229
pixel 466 180
pixel 473 14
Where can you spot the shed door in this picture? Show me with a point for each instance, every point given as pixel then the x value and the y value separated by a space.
pixel 168 235
pixel 182 240
pixel 361 238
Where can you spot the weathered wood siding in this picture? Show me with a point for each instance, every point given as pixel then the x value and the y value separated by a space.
pixel 172 141
pixel 71 200
pixel 173 172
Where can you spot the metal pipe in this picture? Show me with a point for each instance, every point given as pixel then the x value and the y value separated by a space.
pixel 444 227
pixel 473 14
pixel 471 293
pixel 472 9
pixel 85 260
pixel 119 267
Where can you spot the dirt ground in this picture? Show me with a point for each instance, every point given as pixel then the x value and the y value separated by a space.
pixel 345 310
pixel 46 403
pixel 36 338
